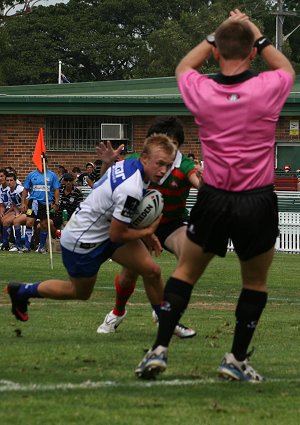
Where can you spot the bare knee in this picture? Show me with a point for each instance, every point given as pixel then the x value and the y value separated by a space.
pixel 151 271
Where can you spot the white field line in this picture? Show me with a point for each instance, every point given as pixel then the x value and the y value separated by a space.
pixel 10 386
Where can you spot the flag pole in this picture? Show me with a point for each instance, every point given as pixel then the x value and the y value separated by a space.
pixel 59 72
pixel 48 213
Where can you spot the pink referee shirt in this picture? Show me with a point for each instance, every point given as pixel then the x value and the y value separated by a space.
pixel 237 126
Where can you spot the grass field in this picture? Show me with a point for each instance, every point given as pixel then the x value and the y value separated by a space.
pixel 55 369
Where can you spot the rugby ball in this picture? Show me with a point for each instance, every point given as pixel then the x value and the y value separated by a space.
pixel 148 210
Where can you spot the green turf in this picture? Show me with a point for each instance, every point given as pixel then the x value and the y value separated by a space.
pixel 55 369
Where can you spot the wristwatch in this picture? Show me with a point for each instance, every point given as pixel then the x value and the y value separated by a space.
pixel 210 38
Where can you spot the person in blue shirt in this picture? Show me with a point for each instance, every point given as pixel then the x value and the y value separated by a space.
pixel 35 206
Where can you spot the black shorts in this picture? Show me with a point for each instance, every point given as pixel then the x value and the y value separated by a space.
pixel 248 218
pixel 164 230
pixel 36 210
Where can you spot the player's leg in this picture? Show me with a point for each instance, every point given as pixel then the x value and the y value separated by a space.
pixel 75 288
pixel 174 242
pixel 20 220
pixel 7 221
pixel 254 234
pixel 251 303
pixel 177 292
pixel 124 284
pixel 29 232
pixel 43 233
pixel 135 257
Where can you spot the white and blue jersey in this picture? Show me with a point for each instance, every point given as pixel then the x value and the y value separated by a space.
pixel 4 198
pixel 15 196
pixel 35 184
pixel 116 195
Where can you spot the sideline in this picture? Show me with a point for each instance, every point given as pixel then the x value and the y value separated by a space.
pixel 10 386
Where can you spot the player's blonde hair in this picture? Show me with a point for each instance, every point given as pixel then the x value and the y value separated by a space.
pixel 160 141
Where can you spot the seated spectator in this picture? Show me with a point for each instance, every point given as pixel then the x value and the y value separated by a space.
pixel 12 170
pixel 82 179
pixel 95 174
pixel 13 207
pixel 287 168
pixel 76 171
pixel 61 171
pixel 3 196
pixel 69 200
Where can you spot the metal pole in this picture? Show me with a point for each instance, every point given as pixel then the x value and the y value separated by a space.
pixel 279 25
pixel 59 72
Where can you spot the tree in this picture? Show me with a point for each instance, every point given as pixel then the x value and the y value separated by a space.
pixel 109 39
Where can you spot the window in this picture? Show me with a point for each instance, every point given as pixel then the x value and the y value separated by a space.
pixel 83 133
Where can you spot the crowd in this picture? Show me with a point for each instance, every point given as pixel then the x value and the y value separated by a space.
pixel 23 216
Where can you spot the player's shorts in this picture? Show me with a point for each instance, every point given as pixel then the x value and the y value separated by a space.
pixel 248 218
pixel 36 209
pixel 87 265
pixel 164 230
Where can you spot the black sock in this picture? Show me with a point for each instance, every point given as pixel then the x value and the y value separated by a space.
pixel 248 311
pixel 176 298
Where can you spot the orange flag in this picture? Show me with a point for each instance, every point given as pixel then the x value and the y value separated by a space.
pixel 39 151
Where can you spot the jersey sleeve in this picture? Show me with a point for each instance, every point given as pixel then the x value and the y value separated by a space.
pixel 189 85
pixel 126 198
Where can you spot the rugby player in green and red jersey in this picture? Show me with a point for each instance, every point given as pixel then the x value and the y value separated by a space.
pixel 175 187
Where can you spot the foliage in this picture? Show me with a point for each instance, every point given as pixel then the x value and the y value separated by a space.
pixel 109 39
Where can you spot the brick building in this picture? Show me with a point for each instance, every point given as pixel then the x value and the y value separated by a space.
pixel 76 116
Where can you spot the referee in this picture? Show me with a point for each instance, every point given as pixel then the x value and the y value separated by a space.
pixel 236 112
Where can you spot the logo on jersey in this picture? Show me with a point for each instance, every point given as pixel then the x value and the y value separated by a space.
pixel 233 97
pixel 118 172
pixel 174 184
pixel 129 207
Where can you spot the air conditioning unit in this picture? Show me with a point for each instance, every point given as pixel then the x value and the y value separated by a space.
pixel 113 132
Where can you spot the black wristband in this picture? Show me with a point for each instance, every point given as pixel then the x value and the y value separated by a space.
pixel 261 43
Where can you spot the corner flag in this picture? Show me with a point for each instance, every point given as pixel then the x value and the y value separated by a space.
pixel 39 151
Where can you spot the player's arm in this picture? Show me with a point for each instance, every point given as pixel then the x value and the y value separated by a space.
pixel 2 208
pixel 196 178
pixel 195 58
pixel 121 232
pixel 24 203
pixel 55 204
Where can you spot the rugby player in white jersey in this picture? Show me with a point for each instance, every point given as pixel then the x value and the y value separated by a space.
pixel 100 229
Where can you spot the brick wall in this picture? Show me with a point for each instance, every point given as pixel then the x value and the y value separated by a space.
pixel 18 135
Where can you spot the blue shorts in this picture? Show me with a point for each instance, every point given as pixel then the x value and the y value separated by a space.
pixel 87 265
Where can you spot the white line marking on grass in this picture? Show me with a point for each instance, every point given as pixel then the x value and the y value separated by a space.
pixel 10 386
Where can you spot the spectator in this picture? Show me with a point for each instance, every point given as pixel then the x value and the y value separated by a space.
pixel 82 179
pixel 95 174
pixel 12 207
pixel 69 200
pixel 76 171
pixel 3 196
pixel 61 171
